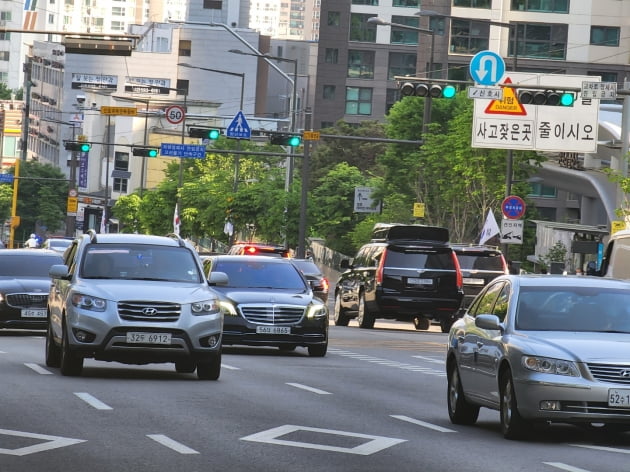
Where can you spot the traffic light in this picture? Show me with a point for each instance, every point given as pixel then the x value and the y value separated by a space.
pixel 145 151
pixel 554 98
pixel 80 146
pixel 205 133
pixel 286 139
pixel 424 89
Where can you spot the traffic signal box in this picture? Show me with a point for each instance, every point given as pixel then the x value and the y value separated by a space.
pixel 285 139
pixel 554 98
pixel 425 89
pixel 80 146
pixel 205 133
pixel 145 151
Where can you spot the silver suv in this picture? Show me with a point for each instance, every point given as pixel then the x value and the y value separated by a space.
pixel 134 299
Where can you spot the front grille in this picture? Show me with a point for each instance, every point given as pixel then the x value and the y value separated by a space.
pixel 27 300
pixel 599 408
pixel 269 313
pixel 149 311
pixel 619 374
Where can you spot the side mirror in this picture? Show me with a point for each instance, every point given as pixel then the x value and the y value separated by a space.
pixel 218 278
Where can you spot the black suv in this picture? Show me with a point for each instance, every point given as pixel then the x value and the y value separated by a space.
pixel 258 249
pixel 479 265
pixel 406 273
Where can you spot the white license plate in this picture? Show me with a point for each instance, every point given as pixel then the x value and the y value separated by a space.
pixel 619 397
pixel 33 313
pixel 148 338
pixel 470 281
pixel 273 330
pixel 417 281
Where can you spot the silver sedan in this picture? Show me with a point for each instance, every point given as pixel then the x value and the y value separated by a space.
pixel 543 348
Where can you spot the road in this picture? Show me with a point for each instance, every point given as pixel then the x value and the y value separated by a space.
pixel 376 402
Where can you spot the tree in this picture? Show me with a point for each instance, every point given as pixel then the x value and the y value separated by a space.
pixel 126 210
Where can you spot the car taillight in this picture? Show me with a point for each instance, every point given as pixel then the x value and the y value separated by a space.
pixel 458 271
pixel 379 269
pixel 251 250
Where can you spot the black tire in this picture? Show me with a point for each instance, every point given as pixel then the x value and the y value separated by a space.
pixel 339 315
pixel 209 369
pixel 364 318
pixel 71 364
pixel 318 350
pixel 460 411
pixel 445 324
pixel 421 323
pixel 185 366
pixel 53 352
pixel 513 426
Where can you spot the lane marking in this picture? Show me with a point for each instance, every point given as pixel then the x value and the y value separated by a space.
pixel 387 362
pixel 230 367
pixel 568 468
pixel 52 442
pixel 423 423
pixel 37 368
pixel 372 444
pixel 171 444
pixel 310 389
pixel 430 359
pixel 602 448
pixel 92 401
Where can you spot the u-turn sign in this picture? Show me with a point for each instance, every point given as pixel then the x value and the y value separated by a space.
pixel 487 68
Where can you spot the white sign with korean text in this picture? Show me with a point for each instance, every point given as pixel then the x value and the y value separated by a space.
pixel 363 202
pixel 511 231
pixel 509 124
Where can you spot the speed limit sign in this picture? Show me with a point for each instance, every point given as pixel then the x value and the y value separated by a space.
pixel 175 114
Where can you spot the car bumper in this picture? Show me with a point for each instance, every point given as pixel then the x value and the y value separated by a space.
pixel 401 306
pixel 11 318
pixel 240 331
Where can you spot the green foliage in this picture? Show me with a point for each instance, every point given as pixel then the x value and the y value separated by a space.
pixel 6 200
pixel 126 210
pixel 557 253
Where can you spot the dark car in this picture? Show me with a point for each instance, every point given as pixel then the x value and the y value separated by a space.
pixel 319 282
pixel 268 302
pixel 24 287
pixel 258 249
pixel 479 265
pixel 406 273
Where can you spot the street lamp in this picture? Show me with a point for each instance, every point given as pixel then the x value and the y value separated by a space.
pixel 426 117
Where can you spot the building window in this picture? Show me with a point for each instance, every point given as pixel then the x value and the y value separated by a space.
pixel 4 55
pixel 469 37
pixel 540 41
pixel 334 18
pixel 185 48
pixel 121 162
pixel 404 36
pixel 406 3
pixel 365 2
pixel 360 29
pixel 117 25
pixel 542 191
pixel 51 19
pixel 212 5
pixel 329 92
pixel 392 95
pixel 548 6
pixel 358 101
pixel 118 11
pixel 331 56
pixel 5 36
pixel 400 64
pixel 5 15
pixel 182 87
pixel 360 64
pixel 604 36
pixel 472 3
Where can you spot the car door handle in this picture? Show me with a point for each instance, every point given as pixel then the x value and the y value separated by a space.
pixel 479 344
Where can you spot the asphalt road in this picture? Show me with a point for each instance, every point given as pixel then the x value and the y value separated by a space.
pixel 376 402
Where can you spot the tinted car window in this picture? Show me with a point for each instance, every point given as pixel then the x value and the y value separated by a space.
pixel 14 266
pixel 406 258
pixel 486 262
pixel 256 274
pixel 485 305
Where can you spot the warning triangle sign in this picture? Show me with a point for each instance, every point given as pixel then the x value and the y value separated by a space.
pixel 508 105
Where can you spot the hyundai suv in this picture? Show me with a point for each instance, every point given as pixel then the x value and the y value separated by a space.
pixel 134 299
pixel 406 273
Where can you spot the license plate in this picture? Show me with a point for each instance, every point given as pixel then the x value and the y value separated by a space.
pixel 471 281
pixel 33 313
pixel 619 397
pixel 417 281
pixel 149 338
pixel 273 329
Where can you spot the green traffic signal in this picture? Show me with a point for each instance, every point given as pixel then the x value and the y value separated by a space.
pixel 78 146
pixel 567 99
pixel 294 141
pixel 427 89
pixel 449 91
pixel 214 134
pixel 286 139
pixel 144 151
pixel 205 133
pixel 85 147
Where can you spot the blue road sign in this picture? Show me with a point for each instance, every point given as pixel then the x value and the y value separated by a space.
pixel 239 128
pixel 487 68
pixel 194 151
pixel 6 178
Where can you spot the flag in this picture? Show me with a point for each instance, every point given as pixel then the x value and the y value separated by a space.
pixel 490 228
pixel 103 225
pixel 176 221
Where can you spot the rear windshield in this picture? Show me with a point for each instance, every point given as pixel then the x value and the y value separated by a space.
pixel 492 262
pixel 260 274
pixel 420 259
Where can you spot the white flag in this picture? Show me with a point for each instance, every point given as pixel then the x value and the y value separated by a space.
pixel 490 228
pixel 176 221
pixel 103 228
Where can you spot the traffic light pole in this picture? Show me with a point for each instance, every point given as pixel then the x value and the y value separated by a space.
pixel 71 220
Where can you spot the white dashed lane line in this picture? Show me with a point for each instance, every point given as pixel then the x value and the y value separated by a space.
pixel 390 363
pixel 566 467
pixel 424 424
pixel 37 368
pixel 174 445
pixel 309 389
pixel 92 401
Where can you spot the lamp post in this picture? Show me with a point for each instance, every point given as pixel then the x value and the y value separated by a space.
pixel 426 116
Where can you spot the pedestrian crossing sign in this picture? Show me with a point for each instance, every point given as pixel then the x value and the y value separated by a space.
pixel 239 128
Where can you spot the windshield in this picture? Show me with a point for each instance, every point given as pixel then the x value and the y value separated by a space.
pixel 485 262
pixel 139 262
pixel 258 274
pixel 25 266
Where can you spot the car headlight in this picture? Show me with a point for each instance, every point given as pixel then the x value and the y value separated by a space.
pixel 548 365
pixel 227 308
pixel 205 307
pixel 88 302
pixel 316 311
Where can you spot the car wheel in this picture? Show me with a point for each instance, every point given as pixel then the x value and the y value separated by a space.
pixel 446 323
pixel 460 411
pixel 513 426
pixel 71 364
pixel 53 352
pixel 421 323
pixel 209 369
pixel 365 319
pixel 340 317
pixel 318 350
pixel 185 367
